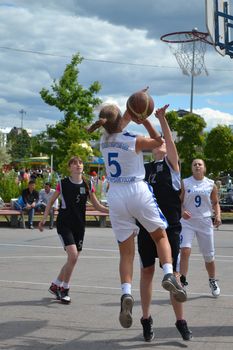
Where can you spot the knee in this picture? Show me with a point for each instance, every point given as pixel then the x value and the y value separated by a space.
pixel 209 259
pixel 185 252
pixel 158 235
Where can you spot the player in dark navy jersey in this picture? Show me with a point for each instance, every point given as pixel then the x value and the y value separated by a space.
pixel 163 175
pixel 74 192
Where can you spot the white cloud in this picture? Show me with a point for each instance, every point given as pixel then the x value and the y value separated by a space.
pixel 215 117
pixel 99 31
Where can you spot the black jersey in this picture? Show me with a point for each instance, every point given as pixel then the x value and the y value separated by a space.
pixel 166 186
pixel 73 202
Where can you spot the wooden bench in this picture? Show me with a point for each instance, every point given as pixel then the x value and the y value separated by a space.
pixel 17 217
pixel 14 217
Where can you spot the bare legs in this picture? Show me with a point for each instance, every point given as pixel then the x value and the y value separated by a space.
pixel 68 267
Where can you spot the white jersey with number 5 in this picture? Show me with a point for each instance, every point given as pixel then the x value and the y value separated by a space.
pixel 122 163
pixel 197 197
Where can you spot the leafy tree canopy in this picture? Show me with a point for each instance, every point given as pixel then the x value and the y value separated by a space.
pixel 78 104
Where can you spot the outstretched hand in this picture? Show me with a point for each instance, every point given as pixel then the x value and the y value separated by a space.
pixel 160 112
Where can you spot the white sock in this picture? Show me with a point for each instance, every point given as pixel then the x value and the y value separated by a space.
pixel 66 285
pixel 167 268
pixel 126 288
pixel 57 282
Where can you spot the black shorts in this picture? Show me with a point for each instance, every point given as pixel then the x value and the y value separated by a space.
pixel 147 248
pixel 71 233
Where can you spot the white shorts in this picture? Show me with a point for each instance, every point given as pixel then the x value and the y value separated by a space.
pixel 130 202
pixel 202 228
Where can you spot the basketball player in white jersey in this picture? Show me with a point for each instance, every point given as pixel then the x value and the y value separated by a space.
pixel 199 196
pixel 130 199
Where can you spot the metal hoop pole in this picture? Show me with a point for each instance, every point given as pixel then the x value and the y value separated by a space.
pixel 192 79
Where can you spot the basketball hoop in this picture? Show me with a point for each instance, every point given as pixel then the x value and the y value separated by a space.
pixel 189 49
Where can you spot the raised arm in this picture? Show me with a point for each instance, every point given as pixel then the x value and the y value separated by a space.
pixel 149 143
pixel 172 154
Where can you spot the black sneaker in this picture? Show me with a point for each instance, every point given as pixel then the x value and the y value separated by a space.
pixel 125 316
pixel 55 290
pixel 65 298
pixel 148 332
pixel 182 327
pixel 170 283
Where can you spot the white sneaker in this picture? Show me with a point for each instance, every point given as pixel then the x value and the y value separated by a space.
pixel 215 290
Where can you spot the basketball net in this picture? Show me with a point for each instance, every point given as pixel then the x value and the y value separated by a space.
pixel 189 51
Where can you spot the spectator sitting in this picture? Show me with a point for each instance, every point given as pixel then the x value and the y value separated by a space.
pixel 28 201
pixel 44 197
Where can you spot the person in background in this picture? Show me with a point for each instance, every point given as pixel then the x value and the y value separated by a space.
pixel 199 198
pixel 44 198
pixel 163 175
pixel 27 201
pixel 71 221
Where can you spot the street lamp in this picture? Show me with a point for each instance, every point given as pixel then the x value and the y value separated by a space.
pixel 53 143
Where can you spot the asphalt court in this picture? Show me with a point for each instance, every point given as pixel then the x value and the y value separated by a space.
pixel 32 319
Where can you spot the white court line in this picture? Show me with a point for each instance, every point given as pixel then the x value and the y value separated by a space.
pixel 56 256
pixel 54 247
pixel 89 287
pixel 95 249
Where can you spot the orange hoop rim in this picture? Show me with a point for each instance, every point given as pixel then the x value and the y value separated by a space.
pixel 193 35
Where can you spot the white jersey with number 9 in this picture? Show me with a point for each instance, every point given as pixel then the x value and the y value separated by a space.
pixel 197 197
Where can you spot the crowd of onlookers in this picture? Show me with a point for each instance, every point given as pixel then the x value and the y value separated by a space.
pixel 25 174
pixel 32 200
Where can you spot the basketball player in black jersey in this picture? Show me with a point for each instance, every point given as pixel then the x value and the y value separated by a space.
pixel 74 192
pixel 163 175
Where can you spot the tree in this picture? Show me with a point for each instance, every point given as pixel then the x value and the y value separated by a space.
pixel 191 140
pixel 19 144
pixel 172 119
pixel 219 149
pixel 5 157
pixel 77 104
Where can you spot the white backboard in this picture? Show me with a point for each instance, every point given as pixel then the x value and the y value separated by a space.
pixel 212 22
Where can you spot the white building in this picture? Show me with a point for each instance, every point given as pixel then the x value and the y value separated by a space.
pixel 5 131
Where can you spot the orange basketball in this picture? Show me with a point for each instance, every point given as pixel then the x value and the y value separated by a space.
pixel 140 105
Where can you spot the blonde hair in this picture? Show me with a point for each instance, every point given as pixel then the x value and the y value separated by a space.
pixel 109 117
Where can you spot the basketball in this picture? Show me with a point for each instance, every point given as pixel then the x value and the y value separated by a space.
pixel 140 105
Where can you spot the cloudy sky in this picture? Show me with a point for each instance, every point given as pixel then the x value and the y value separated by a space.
pixel 121 46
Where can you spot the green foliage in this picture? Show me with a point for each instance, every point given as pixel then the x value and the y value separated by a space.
pixel 82 150
pixel 77 104
pixel 9 187
pixel 5 157
pixel 172 119
pixel 191 140
pixel 19 144
pixel 219 149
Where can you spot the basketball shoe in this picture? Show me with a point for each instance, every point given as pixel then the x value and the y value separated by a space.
pixel 125 316
pixel 55 290
pixel 215 290
pixel 147 325
pixel 170 283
